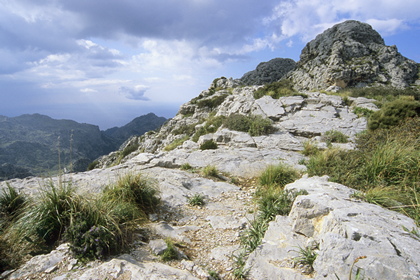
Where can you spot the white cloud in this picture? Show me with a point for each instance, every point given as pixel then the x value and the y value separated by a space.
pixel 307 18
pixel 136 92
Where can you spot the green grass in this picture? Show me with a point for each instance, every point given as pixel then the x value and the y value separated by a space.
pixel 276 90
pixel 170 252
pixel 255 125
pixel 196 200
pixel 306 256
pixel 95 226
pixel 208 145
pixel 309 148
pixel 210 171
pixel 385 167
pixel 176 143
pixel 11 204
pixel 335 136
pixel 272 200
pixel 279 175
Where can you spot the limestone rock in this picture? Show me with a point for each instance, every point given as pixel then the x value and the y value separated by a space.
pixel 125 267
pixel 349 235
pixel 268 72
pixel 351 54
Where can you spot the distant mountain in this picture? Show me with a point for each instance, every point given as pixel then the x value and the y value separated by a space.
pixel 39 145
pixel 138 126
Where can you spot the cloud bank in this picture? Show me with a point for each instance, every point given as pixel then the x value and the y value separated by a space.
pixel 113 52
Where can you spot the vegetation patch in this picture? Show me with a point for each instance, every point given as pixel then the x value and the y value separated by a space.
pixel 272 200
pixel 277 90
pixel 95 227
pixel 335 136
pixel 393 113
pixel 196 200
pixel 176 143
pixel 385 167
pixel 208 145
pixel 212 102
pixel 254 125
pixel 210 171
pixel 362 112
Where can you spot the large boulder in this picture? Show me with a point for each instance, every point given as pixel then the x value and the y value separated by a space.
pixel 351 54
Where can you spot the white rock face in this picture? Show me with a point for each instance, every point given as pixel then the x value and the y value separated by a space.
pixel 343 230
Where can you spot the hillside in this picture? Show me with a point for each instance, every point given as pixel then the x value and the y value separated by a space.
pixel 247 181
pixel 30 144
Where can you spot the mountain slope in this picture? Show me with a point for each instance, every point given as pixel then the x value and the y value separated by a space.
pixel 39 145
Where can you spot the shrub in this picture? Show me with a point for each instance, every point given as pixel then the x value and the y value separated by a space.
pixel 93 165
pixel 135 189
pixel 276 90
pixel 11 204
pixel 309 149
pixel 362 112
pixel 129 149
pixel 208 145
pixel 393 113
pixel 186 166
pixel 211 126
pixel 210 171
pixel 278 175
pixel 170 252
pixel 385 166
pixel 176 143
pixel 196 200
pixel 335 136
pixel 254 125
pixel 212 102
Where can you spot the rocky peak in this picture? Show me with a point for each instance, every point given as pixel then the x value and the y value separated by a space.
pixel 268 72
pixel 352 54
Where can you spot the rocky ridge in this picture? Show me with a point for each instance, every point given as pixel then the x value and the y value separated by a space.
pixel 350 237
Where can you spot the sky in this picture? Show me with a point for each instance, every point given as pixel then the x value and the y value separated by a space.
pixel 105 62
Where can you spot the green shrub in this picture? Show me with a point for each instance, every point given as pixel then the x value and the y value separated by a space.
pixel 276 90
pixel 393 113
pixel 211 126
pixel 11 205
pixel 196 200
pixel 208 145
pixel 135 189
pixel 385 166
pixel 212 102
pixel 382 94
pixel 210 171
pixel 362 112
pixel 309 149
pixel 335 136
pixel 92 165
pixel 176 143
pixel 129 149
pixel 186 166
pixel 278 175
pixel 254 125
pixel 170 252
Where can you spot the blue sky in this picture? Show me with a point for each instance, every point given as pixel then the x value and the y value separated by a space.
pixel 106 62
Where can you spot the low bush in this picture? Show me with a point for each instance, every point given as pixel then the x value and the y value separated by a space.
pixel 176 143
pixel 309 148
pixel 278 175
pixel 393 113
pixel 335 136
pixel 212 102
pixel 362 112
pixel 276 90
pixel 129 149
pixel 170 253
pixel 254 125
pixel 208 145
pixel 11 204
pixel 196 200
pixel 385 166
pixel 210 171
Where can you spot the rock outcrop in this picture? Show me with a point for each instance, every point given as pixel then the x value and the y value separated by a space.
pixel 351 54
pixel 347 235
pixel 268 72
